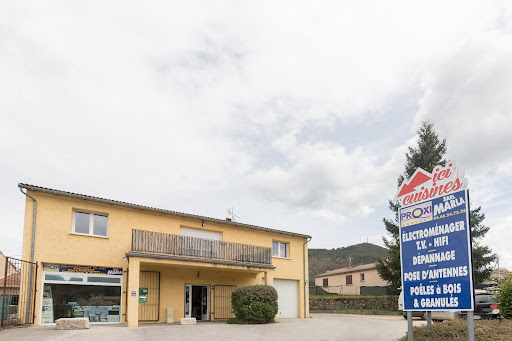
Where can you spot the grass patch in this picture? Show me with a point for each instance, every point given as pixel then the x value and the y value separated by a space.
pixel 485 330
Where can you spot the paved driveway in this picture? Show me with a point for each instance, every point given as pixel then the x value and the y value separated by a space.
pixel 319 327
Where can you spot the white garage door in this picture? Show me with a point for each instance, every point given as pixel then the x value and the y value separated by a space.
pixel 288 298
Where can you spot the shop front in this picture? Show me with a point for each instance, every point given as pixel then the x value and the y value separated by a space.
pixel 73 291
pixel 192 288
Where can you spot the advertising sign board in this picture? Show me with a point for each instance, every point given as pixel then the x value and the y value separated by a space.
pixel 82 269
pixel 435 241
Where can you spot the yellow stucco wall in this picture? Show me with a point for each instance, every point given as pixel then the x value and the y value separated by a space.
pixel 55 243
pixel 338 283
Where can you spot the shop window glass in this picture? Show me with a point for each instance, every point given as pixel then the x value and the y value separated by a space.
pixel 95 302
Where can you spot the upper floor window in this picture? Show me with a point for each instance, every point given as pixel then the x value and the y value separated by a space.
pixel 92 224
pixel 349 279
pixel 362 277
pixel 280 249
pixel 326 282
pixel 198 233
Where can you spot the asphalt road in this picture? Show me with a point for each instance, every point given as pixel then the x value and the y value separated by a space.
pixel 319 327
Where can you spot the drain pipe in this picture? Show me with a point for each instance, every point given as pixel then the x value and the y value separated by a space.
pixel 305 283
pixel 31 256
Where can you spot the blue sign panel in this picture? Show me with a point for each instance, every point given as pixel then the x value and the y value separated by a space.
pixel 436 254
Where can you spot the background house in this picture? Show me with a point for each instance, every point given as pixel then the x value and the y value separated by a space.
pixel 10 286
pixel 5 264
pixel 350 280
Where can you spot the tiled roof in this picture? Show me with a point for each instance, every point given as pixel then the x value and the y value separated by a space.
pixel 348 270
pixel 13 280
pixel 126 204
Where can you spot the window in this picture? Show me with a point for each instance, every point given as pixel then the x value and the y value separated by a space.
pixel 349 279
pixel 326 282
pixel 280 249
pixel 90 223
pixel 362 277
pixel 198 233
pixel 103 280
pixel 69 278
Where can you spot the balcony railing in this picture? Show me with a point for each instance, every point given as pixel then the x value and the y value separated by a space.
pixel 176 245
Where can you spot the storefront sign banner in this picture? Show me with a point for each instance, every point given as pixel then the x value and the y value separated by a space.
pixel 82 269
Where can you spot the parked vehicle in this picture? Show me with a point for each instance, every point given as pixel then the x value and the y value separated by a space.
pixel 485 305
pixel 421 314
pixel 485 308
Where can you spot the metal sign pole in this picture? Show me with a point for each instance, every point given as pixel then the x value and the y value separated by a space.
pixel 410 336
pixel 429 320
pixel 470 316
pixel 471 326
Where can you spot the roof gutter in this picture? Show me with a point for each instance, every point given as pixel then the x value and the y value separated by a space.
pixel 147 208
pixel 31 254
pixel 306 287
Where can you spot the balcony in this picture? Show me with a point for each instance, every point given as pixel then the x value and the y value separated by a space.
pixel 184 246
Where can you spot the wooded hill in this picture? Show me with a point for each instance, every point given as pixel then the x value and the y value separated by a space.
pixel 323 260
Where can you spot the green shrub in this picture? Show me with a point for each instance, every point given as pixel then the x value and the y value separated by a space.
pixel 504 298
pixel 255 304
pixel 235 321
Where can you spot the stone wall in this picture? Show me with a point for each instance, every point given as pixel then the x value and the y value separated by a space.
pixel 385 303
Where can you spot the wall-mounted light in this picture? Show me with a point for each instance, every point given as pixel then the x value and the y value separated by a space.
pixel 198 274
pixel 203 223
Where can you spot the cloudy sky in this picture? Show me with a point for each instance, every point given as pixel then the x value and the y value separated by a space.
pixel 296 113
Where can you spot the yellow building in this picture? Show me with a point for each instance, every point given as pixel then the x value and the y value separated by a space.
pixel 348 281
pixel 113 261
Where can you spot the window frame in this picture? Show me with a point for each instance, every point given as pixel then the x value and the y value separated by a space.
pixel 362 277
pixel 325 282
pixel 91 223
pixel 287 249
pixel 348 278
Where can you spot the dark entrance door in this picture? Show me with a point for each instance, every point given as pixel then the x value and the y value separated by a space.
pixel 199 302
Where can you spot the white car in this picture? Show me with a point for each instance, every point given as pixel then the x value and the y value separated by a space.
pixel 422 314
pixel 436 314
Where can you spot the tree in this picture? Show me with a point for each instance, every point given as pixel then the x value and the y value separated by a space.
pixel 428 153
pixel 482 254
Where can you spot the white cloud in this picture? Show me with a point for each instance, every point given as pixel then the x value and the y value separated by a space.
pixel 326 176
pixel 468 98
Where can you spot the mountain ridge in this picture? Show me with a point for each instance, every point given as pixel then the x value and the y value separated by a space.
pixel 323 260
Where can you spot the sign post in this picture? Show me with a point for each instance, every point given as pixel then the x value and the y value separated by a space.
pixel 435 241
